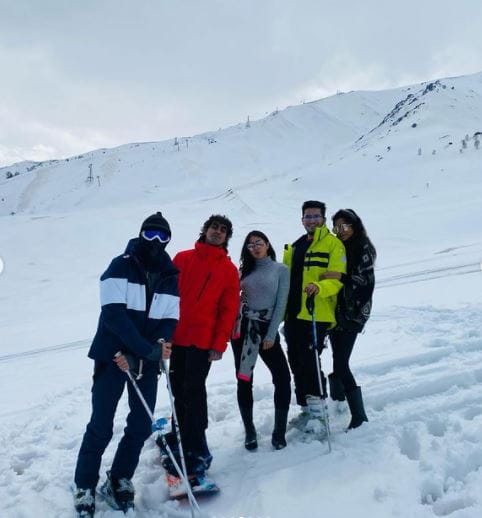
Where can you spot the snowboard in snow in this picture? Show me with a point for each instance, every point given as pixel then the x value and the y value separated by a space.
pixel 202 485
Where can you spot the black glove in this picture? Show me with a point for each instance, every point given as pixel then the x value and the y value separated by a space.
pixel 155 354
pixel 133 362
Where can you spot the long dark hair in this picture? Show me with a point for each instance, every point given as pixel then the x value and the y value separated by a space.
pixel 247 262
pixel 359 231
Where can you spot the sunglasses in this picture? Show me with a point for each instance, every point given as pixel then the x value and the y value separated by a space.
pixel 311 217
pixel 219 226
pixel 160 235
pixel 338 229
pixel 257 244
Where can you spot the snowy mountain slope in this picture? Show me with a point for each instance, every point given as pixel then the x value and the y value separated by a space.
pixel 419 361
pixel 314 134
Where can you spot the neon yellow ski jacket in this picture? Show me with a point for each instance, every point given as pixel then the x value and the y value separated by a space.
pixel 326 253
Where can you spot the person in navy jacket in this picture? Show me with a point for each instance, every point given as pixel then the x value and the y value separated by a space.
pixel 140 309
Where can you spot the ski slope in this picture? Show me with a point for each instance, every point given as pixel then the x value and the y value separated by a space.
pixel 419 360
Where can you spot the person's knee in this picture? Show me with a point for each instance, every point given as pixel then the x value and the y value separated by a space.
pixel 140 432
pixel 282 377
pixel 341 369
pixel 194 389
pixel 98 434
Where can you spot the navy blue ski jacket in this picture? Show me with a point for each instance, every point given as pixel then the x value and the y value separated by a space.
pixel 128 321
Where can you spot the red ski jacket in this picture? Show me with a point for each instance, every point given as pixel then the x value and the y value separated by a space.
pixel 209 291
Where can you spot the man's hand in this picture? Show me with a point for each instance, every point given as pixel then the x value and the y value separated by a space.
pixel 312 289
pixel 267 344
pixel 121 361
pixel 214 355
pixel 166 350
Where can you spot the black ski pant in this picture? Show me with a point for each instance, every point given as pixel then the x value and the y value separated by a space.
pixel 189 368
pixel 301 356
pixel 107 389
pixel 274 359
pixel 342 342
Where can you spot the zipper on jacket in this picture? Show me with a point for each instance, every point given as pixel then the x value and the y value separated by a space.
pixel 203 287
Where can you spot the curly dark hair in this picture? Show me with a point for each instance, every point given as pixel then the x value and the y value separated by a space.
pixel 247 262
pixel 222 220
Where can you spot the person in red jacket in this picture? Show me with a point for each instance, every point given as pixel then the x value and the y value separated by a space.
pixel 209 305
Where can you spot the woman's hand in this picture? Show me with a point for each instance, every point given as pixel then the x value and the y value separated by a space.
pixel 267 344
pixel 330 275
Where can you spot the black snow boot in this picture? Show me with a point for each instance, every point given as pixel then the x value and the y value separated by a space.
pixel 355 402
pixel 250 439
pixel 278 439
pixel 337 390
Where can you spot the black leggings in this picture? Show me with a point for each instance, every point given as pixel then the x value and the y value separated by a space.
pixel 342 342
pixel 275 360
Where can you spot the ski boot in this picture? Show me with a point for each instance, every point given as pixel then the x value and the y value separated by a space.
pixel 316 424
pixel 118 493
pixel 84 502
pixel 301 419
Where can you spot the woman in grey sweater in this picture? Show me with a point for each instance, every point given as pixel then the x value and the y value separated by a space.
pixel 264 292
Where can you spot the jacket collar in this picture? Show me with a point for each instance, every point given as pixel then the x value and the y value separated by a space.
pixel 210 251
pixel 320 233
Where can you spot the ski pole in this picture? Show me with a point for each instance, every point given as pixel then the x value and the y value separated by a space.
pixel 182 474
pixel 310 306
pixel 176 422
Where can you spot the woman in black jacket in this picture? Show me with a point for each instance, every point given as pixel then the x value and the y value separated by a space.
pixel 353 309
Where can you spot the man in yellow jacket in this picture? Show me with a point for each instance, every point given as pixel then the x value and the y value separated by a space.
pixel 308 258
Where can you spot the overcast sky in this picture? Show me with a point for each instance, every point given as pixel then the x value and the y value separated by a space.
pixel 79 75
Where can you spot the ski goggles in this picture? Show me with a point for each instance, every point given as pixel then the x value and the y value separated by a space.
pixel 161 235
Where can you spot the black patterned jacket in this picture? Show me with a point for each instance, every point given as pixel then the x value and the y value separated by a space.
pixel 354 302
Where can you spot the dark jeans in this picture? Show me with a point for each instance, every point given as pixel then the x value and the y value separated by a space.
pixel 275 360
pixel 301 357
pixel 342 342
pixel 188 372
pixel 109 383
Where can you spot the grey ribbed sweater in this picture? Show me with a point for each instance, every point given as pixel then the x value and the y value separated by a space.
pixel 267 287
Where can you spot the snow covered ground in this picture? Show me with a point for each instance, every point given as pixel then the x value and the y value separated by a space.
pixel 419 361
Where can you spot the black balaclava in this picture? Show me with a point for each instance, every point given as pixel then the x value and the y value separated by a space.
pixel 150 252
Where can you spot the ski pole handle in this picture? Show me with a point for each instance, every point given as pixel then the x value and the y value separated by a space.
pixel 310 304
pixel 125 367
